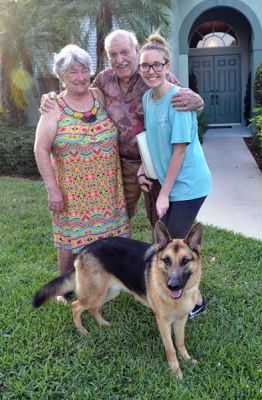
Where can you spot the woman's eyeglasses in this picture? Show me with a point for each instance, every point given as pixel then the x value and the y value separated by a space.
pixel 157 67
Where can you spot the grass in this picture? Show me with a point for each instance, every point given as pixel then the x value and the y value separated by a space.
pixel 43 357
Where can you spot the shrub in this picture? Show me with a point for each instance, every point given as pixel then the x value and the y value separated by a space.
pixel 258 86
pixel 16 152
pixel 247 100
pixel 202 126
pixel 258 142
pixel 256 121
pixel 202 122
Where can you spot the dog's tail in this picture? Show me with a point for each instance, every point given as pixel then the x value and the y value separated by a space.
pixel 57 287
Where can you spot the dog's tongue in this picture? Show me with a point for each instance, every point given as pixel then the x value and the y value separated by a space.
pixel 175 294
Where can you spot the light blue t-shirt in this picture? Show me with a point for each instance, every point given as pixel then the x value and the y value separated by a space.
pixel 166 126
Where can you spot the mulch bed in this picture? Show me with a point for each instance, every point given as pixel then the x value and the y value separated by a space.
pixel 250 142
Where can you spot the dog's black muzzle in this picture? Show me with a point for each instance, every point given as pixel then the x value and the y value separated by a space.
pixel 176 284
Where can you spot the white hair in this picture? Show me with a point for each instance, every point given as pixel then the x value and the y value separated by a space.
pixel 121 32
pixel 67 57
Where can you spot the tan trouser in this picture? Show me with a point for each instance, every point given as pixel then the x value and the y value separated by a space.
pixel 133 192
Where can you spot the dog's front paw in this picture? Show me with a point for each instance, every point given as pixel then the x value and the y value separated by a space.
pixel 178 373
pixel 190 359
pixel 176 370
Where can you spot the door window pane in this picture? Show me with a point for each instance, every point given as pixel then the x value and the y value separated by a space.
pixel 213 34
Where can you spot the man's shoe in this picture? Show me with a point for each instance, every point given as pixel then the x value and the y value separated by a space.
pixel 197 310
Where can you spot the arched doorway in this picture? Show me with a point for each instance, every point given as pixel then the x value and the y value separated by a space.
pixel 247 29
pixel 215 70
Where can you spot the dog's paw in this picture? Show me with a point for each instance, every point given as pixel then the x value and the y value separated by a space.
pixel 105 323
pixel 178 373
pixel 176 370
pixel 190 359
pixel 61 299
pixel 193 361
pixel 102 321
pixel 82 330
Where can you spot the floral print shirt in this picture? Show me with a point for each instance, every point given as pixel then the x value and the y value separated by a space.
pixel 125 109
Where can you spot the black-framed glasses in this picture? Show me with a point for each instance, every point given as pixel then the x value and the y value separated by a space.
pixel 157 66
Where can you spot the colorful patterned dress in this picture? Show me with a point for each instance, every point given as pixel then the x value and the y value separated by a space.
pixel 85 158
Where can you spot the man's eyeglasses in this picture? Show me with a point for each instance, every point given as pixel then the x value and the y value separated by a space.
pixel 157 67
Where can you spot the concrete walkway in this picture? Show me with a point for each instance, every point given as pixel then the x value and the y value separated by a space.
pixel 236 200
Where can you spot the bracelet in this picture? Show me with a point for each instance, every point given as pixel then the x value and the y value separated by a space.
pixel 138 176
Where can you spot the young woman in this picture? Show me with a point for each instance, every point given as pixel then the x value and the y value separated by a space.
pixel 174 145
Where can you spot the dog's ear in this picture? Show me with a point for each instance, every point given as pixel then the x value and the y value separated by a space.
pixel 161 235
pixel 195 237
pixel 150 253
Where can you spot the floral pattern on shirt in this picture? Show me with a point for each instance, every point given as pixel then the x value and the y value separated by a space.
pixel 126 110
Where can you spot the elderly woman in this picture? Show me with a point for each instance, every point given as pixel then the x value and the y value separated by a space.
pixel 77 155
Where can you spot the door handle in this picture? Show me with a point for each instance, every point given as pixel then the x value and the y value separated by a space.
pixel 214 97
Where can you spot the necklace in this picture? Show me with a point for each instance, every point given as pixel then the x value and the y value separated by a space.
pixel 87 116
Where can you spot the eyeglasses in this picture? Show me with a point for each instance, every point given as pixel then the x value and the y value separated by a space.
pixel 157 67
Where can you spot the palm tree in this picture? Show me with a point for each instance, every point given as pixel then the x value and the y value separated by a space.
pixel 102 16
pixel 16 22
pixel 140 16
pixel 72 21
pixel 27 28
pixel 29 25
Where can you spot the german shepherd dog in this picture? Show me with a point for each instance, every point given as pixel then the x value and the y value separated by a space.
pixel 164 276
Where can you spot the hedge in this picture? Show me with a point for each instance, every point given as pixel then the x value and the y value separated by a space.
pixel 16 151
pixel 17 155
pixel 256 121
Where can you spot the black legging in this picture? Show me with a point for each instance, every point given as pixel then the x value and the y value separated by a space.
pixel 181 215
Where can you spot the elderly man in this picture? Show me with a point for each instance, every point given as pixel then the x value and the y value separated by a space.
pixel 123 89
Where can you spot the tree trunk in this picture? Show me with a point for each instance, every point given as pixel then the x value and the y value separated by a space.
pixel 103 27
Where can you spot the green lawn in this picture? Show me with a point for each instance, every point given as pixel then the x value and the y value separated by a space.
pixel 43 357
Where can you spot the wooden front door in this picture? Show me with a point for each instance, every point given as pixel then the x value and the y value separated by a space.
pixel 218 82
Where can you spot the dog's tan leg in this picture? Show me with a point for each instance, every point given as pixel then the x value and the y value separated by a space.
pixel 92 286
pixel 78 307
pixel 165 332
pixel 95 300
pixel 96 314
pixel 179 331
